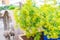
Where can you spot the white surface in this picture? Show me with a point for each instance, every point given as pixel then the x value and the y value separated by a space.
pixel 1 30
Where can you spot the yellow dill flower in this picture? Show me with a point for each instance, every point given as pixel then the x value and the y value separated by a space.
pixel 29 2
pixel 54 35
pixel 58 27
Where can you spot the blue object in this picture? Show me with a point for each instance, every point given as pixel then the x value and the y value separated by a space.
pixel 52 39
pixel 58 39
pixel 45 38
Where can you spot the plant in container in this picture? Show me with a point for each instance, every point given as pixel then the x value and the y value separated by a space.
pixel 33 20
pixel 28 18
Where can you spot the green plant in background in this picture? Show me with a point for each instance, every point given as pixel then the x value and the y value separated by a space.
pixel 10 7
pixel 1 8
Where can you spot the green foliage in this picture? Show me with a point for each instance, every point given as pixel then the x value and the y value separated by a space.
pixel 31 19
pixel 51 17
pixel 28 19
pixel 37 37
pixel 1 8
pixel 10 7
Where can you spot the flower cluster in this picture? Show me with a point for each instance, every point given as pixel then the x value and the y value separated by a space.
pixel 32 19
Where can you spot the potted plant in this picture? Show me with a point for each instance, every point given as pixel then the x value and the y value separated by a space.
pixel 28 18
pixel 34 20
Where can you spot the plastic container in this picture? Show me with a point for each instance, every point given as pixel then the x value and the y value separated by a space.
pixel 45 38
pixel 58 39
